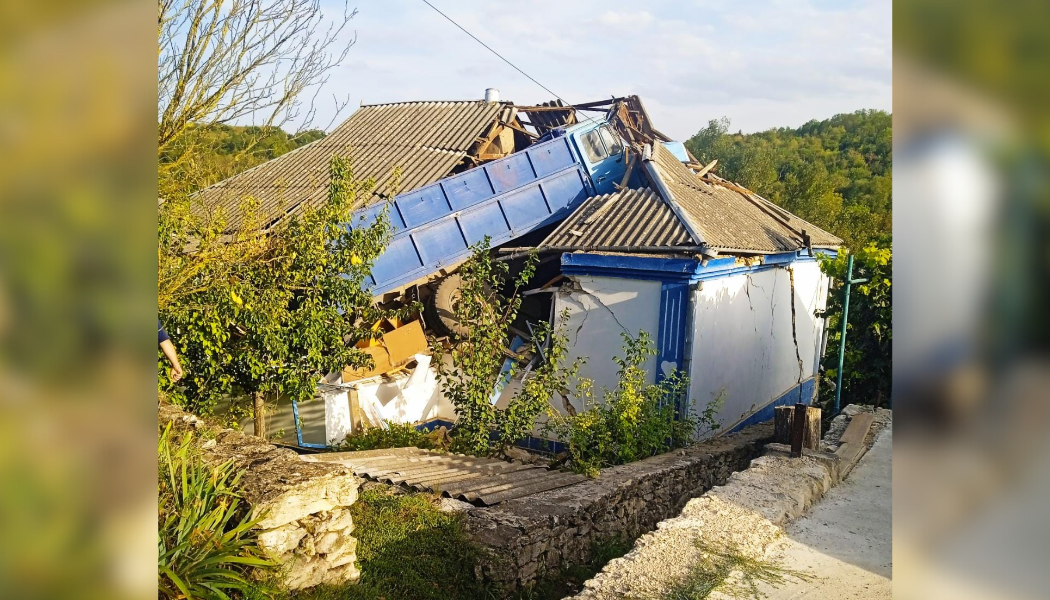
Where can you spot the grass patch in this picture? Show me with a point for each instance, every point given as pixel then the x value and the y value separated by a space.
pixel 715 566
pixel 407 549
pixel 569 581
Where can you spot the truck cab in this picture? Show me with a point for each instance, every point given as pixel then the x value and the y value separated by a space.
pixel 601 151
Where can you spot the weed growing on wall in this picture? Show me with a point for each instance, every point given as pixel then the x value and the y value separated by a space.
pixel 634 420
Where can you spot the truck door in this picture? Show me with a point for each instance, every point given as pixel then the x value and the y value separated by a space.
pixel 602 151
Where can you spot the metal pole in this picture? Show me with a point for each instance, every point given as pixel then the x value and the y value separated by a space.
pixel 842 337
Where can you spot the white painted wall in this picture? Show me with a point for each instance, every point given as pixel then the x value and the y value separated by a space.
pixel 600 309
pixel 742 338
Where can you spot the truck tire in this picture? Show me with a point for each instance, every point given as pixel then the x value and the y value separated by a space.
pixel 441 306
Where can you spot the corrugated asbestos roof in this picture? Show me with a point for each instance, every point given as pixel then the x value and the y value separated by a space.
pixel 728 220
pixel 425 139
pixel 480 481
pixel 731 221
pixel 628 218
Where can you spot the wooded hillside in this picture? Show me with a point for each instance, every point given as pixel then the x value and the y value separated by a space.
pixel 222 151
pixel 836 173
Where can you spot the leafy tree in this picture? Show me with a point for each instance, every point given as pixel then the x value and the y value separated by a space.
pixel 477 357
pixel 221 151
pixel 868 362
pixel 835 173
pixel 275 324
pixel 220 61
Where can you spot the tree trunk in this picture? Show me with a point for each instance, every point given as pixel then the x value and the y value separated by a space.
pixel 260 414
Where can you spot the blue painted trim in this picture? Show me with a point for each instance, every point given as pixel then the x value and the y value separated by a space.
pixel 628 267
pixel 655 268
pixel 674 316
pixel 790 397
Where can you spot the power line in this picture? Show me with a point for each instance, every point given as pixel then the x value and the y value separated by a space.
pixel 487 47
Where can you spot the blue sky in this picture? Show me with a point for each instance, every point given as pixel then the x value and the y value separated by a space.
pixel 762 63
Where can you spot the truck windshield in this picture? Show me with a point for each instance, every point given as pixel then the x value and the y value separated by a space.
pixel 592 146
pixel 612 141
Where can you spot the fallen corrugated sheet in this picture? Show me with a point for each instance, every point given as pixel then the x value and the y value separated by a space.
pixel 426 140
pixel 628 218
pixel 730 220
pixel 481 481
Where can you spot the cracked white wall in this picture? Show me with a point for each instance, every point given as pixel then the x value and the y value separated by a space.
pixel 742 337
pixel 600 309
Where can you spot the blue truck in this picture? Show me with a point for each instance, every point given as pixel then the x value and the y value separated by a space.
pixel 435 225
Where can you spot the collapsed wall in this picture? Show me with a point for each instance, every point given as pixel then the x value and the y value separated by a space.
pixel 303 507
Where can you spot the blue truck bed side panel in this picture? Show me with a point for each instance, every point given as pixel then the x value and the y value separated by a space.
pixel 435 225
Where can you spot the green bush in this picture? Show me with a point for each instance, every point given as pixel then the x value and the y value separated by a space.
pixel 478 356
pixel 205 537
pixel 395 435
pixel 867 371
pixel 635 419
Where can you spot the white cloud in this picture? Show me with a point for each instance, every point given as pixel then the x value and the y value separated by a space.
pixel 626 19
pixel 763 63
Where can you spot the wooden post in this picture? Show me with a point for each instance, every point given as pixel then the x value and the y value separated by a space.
pixel 798 430
pixel 783 423
pixel 259 414
pixel 355 411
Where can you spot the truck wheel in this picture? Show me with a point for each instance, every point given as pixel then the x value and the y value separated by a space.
pixel 441 306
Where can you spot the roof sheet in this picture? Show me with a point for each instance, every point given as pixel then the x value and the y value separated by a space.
pixel 628 218
pixel 425 139
pixel 730 220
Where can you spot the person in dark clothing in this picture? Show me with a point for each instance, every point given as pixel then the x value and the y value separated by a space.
pixel 169 352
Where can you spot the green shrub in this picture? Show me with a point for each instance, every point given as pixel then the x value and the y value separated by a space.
pixel 394 435
pixel 205 537
pixel 635 419
pixel 481 428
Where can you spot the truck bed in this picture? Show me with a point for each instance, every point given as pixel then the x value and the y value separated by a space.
pixel 434 226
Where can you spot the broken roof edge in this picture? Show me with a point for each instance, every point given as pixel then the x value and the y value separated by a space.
pixel 653 174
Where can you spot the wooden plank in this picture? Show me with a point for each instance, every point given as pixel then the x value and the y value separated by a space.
pixel 857 429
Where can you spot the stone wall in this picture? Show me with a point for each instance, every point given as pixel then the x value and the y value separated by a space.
pixel 540 534
pixel 744 516
pixel 305 522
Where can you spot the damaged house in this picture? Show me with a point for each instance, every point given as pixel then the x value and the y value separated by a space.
pixel 634 234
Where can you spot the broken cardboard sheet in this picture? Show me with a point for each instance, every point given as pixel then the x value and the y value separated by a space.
pixel 395 349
